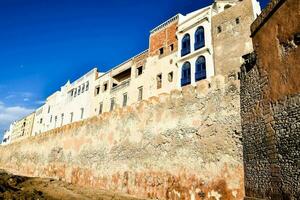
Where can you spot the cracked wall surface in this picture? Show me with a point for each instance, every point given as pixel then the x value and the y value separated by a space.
pixel 182 145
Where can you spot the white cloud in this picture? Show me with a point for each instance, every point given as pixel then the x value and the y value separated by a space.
pixel 10 114
pixel 14 95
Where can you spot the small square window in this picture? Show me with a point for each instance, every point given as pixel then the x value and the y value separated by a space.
pixel 170 77
pixel 78 91
pixel 161 51
pixel 87 86
pixel 159 81
pixel 219 29
pixel 83 88
pixel 112 104
pixel 105 87
pixel 140 97
pixel 172 47
pixel 101 108
pixel 125 99
pixel 139 70
pixel 97 90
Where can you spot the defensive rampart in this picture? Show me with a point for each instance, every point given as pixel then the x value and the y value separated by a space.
pixel 182 145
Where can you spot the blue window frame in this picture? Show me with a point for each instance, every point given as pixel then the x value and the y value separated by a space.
pixel 200 68
pixel 186 74
pixel 199 38
pixel 185 45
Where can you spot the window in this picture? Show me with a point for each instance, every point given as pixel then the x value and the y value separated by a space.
pixel 41 120
pixel 199 38
pixel 200 68
pixel 71 117
pixel 97 90
pixel 75 92
pixel 55 120
pixel 140 97
pixel 139 70
pixel 49 109
pixel 186 74
pixel 227 6
pixel 101 108
pixel 186 46
pixel 170 77
pixel 72 93
pixel 159 81
pixel 87 86
pixel 112 104
pixel 161 51
pixel 105 87
pixel 62 119
pixel 83 88
pixel 78 91
pixel 51 119
pixel 237 20
pixel 172 47
pixel 82 112
pixel 219 29
pixel 124 99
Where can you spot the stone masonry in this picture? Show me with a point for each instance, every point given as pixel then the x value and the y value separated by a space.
pixel 182 145
pixel 270 104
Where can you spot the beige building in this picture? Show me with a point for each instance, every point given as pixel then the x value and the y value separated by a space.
pixel 22 128
pixel 182 50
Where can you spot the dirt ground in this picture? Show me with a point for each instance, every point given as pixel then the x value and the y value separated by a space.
pixel 21 188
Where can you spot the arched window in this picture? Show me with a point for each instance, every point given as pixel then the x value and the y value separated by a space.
pixel 186 74
pixel 199 38
pixel 200 69
pixel 186 45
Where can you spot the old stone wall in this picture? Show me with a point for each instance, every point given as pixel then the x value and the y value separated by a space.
pixel 270 105
pixel 182 145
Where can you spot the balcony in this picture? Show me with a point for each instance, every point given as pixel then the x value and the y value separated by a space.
pixel 120 86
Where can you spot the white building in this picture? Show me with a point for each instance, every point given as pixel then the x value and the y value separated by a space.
pixel 7 135
pixel 70 104
pixel 182 50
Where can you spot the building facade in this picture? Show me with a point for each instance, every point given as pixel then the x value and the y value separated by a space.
pixel 7 135
pixel 22 128
pixel 182 50
pixel 72 103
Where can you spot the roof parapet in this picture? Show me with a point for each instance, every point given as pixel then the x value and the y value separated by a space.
pixel 161 26
pixel 265 15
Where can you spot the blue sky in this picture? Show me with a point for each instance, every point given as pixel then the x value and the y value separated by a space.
pixel 44 43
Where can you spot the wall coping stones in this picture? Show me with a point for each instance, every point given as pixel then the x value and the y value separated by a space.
pixel 265 15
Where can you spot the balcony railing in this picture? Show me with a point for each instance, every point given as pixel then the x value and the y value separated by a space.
pixel 121 85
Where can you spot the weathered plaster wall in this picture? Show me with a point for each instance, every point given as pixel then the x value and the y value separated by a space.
pixel 182 145
pixel 234 40
pixel 278 53
pixel 270 105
